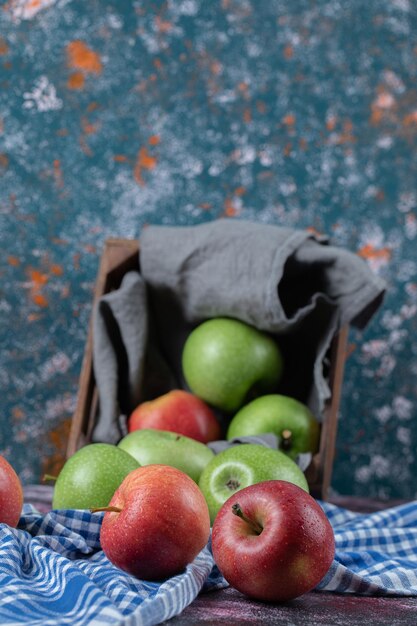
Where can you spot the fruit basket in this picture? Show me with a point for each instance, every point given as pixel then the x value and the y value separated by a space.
pixel 121 256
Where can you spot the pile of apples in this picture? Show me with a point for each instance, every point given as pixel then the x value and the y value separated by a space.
pixel 162 488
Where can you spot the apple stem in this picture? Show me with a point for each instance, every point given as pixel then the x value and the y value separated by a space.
pixel 111 509
pixel 286 439
pixel 49 477
pixel 236 510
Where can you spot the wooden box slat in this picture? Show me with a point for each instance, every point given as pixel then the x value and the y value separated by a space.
pixel 122 255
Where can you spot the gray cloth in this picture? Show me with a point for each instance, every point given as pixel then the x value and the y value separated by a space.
pixel 269 440
pixel 120 326
pixel 284 281
pixel 128 367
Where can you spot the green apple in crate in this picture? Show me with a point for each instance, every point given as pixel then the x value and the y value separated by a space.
pixel 149 446
pixel 292 422
pixel 225 361
pixel 244 465
pixel 90 477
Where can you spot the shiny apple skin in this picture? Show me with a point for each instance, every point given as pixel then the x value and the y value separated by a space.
pixel 178 411
pixel 289 557
pixel 11 494
pixel 164 523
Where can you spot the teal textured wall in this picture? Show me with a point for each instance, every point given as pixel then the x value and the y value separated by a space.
pixel 114 114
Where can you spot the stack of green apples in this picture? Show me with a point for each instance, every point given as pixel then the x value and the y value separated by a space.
pixel 236 368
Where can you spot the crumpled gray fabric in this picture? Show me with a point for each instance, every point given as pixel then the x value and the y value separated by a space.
pixel 120 323
pixel 284 281
pixel 269 440
pixel 126 361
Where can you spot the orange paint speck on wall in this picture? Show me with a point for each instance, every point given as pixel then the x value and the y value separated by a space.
pixel 38 278
pixel 144 161
pixel 4 48
pixel 40 300
pixel 76 80
pixel 57 270
pixel 81 57
pixel 230 210
pixel 370 252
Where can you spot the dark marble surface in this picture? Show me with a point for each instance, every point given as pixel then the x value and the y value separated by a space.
pixel 228 606
pixel 114 114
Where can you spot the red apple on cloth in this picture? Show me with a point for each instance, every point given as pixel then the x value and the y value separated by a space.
pixel 11 494
pixel 180 412
pixel 156 523
pixel 272 541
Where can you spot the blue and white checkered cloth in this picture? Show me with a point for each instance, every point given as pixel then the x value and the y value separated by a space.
pixel 52 571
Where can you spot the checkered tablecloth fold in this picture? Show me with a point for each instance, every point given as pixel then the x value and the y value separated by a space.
pixel 53 572
pixel 376 554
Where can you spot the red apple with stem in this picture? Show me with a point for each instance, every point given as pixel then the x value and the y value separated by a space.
pixel 156 523
pixel 11 494
pixel 180 412
pixel 272 541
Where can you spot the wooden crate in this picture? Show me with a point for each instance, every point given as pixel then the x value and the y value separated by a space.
pixel 119 257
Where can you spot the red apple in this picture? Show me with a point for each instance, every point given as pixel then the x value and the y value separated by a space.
pixel 11 494
pixel 156 523
pixel 180 412
pixel 272 541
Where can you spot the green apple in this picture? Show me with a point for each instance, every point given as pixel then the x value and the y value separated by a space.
pixel 149 447
pixel 289 419
pixel 90 477
pixel 224 361
pixel 243 465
